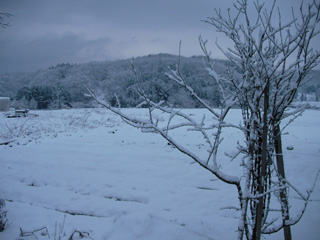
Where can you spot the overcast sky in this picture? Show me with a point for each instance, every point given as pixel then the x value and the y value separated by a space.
pixel 43 33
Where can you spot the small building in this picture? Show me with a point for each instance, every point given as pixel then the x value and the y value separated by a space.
pixel 4 104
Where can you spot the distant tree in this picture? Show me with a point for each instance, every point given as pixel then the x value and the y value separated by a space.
pixel 24 92
pixel 43 95
pixel 62 96
pixel 160 93
pixel 311 89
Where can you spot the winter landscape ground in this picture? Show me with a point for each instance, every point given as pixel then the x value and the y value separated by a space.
pixel 87 170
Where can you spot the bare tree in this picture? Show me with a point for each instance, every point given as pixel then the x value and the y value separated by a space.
pixel 269 81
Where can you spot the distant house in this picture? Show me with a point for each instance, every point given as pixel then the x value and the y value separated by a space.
pixel 4 104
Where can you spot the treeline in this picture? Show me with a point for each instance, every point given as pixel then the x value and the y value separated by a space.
pixel 43 97
pixel 120 83
pixel 47 97
pixel 62 86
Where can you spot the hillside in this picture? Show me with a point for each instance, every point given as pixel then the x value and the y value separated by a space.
pixel 62 85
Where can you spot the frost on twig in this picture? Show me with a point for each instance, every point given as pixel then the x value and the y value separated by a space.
pixel 294 220
pixel 152 125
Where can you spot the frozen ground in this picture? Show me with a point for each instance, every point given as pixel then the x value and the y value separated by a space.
pixel 114 182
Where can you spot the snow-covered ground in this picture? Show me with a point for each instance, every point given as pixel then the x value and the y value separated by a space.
pixel 86 170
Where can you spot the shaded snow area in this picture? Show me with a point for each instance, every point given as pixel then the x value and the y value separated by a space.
pixel 86 170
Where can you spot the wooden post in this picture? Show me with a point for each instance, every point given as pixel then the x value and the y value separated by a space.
pixel 283 192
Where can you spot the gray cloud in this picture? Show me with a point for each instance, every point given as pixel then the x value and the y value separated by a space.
pixel 46 32
pixel 50 49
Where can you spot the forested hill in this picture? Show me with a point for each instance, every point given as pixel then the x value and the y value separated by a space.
pixel 63 85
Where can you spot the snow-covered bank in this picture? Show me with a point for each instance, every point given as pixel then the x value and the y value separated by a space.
pixel 115 182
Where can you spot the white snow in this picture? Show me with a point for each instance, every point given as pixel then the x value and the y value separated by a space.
pixel 115 182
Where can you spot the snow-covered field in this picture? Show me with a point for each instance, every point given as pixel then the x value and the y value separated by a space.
pixel 86 170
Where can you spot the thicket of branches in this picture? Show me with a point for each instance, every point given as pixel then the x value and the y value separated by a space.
pixel 263 50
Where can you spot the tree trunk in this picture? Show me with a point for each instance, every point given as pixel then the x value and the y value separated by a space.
pixel 261 181
pixel 283 192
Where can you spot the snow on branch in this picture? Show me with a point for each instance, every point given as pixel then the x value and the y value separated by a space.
pixel 151 124
pixel 296 219
pixel 262 80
